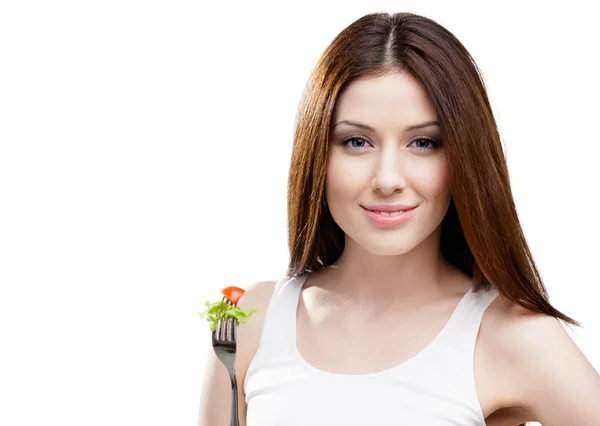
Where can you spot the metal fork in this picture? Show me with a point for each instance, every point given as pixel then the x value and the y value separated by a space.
pixel 224 344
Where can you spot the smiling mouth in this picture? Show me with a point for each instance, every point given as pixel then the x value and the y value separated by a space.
pixel 386 218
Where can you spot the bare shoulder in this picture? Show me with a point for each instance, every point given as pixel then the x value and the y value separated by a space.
pixel 538 369
pixel 495 388
pixel 259 292
pixel 515 333
pixel 257 296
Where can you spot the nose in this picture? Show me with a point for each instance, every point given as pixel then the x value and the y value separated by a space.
pixel 388 176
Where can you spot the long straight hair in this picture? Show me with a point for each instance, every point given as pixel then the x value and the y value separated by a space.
pixel 481 233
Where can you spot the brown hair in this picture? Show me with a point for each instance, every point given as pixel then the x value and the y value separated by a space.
pixel 481 233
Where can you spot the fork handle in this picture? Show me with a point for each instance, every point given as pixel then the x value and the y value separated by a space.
pixel 235 420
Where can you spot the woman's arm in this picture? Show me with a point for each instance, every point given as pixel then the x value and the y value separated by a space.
pixel 555 381
pixel 215 398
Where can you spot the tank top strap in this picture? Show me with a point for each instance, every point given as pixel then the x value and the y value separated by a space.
pixel 469 313
pixel 456 344
pixel 284 301
pixel 276 340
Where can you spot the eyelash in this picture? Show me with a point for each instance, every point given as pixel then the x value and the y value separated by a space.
pixel 435 143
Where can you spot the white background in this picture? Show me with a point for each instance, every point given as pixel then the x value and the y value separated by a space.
pixel 143 167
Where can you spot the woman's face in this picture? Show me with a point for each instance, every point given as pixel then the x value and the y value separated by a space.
pixel 389 164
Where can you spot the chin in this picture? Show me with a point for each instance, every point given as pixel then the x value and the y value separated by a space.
pixel 391 247
pixel 389 251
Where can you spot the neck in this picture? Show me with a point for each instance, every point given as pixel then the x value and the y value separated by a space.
pixel 416 276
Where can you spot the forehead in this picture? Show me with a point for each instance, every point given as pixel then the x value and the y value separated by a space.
pixel 392 98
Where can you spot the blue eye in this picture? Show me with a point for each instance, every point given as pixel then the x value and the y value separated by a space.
pixel 430 141
pixel 346 143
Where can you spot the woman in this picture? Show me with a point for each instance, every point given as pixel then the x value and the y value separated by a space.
pixel 433 314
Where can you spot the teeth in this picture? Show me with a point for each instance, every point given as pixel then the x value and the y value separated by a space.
pixel 391 213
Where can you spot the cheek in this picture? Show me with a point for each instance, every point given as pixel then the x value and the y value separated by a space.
pixel 438 185
pixel 432 180
pixel 345 178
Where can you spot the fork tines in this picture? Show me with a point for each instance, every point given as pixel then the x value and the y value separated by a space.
pixel 225 333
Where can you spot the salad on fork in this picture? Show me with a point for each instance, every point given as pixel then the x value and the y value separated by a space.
pixel 226 308
pixel 224 316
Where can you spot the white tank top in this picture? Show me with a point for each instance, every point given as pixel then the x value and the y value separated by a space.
pixel 435 387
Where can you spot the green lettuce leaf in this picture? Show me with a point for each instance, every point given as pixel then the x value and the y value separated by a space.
pixel 214 310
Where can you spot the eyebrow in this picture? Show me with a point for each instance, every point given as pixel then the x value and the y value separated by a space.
pixel 408 129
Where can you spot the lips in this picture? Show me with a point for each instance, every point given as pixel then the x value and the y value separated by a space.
pixel 387 219
pixel 389 207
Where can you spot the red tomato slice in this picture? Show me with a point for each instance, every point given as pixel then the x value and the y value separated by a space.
pixel 233 294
